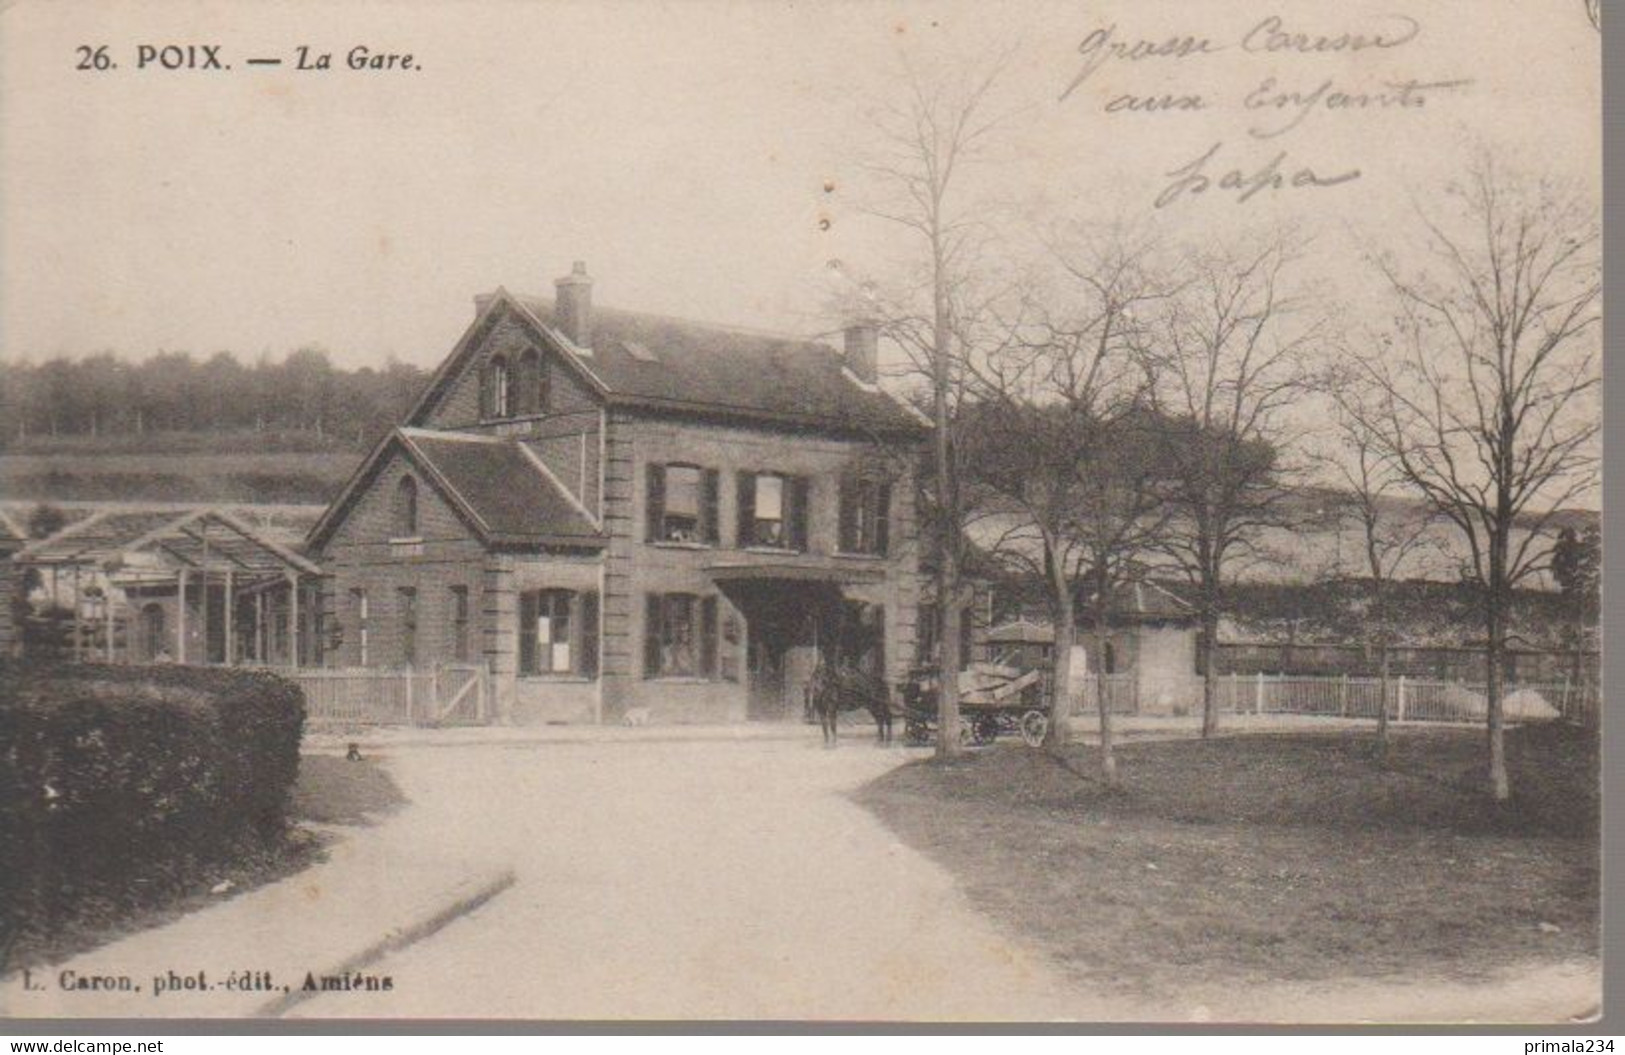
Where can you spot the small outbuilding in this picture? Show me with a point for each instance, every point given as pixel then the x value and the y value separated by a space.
pixel 177 584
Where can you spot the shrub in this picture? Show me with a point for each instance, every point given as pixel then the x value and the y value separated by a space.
pixel 118 783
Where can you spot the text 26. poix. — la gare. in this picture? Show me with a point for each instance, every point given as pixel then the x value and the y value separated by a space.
pixel 191 58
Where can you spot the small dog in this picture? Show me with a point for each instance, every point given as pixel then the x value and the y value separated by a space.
pixel 354 754
pixel 636 716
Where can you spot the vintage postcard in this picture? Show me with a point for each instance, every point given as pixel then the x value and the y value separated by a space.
pixel 836 510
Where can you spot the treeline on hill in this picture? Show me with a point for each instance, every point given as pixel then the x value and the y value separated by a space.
pixel 302 394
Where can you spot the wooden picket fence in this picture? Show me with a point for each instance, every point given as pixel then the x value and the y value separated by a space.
pixel 458 694
pixel 1407 699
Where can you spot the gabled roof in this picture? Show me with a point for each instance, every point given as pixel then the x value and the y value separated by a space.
pixel 1021 632
pixel 202 538
pixel 659 362
pixel 12 533
pixel 501 490
pixel 1144 602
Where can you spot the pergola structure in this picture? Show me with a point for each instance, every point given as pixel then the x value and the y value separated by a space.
pixel 181 565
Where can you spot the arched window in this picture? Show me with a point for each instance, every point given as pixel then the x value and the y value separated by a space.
pixel 406 508
pixel 496 388
pixel 531 381
pixel 154 639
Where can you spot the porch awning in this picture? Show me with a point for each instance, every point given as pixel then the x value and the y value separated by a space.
pixel 792 570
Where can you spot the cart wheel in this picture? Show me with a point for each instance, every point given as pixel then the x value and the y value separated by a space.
pixel 985 731
pixel 1034 724
pixel 916 733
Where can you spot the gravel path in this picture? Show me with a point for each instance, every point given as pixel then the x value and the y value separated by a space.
pixel 694 880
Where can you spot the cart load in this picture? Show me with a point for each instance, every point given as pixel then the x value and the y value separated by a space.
pixel 993 699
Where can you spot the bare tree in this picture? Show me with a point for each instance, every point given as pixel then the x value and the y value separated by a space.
pixel 940 128
pixel 1232 355
pixel 1485 398
pixel 1065 438
pixel 1390 531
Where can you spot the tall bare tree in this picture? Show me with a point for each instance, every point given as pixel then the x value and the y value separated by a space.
pixel 1485 398
pixel 926 142
pixel 1231 356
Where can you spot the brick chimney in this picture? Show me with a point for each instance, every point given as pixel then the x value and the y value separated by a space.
pixel 572 306
pixel 861 355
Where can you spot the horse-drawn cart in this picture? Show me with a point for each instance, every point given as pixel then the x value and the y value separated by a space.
pixel 993 700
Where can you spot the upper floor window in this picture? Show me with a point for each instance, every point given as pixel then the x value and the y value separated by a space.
pixel 530 384
pixel 406 508
pixel 865 516
pixel 497 388
pixel 773 510
pixel 681 504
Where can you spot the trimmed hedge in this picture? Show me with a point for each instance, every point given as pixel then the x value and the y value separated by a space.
pixel 119 784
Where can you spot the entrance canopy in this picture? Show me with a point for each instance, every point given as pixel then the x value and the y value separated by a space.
pixel 769 571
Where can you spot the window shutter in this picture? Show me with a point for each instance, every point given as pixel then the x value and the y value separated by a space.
pixel 655 506
pixel 798 512
pixel 848 515
pixel 527 633
pixel 587 663
pixel 708 637
pixel 651 635
pixel 485 391
pixel 747 510
pixel 883 519
pixel 710 508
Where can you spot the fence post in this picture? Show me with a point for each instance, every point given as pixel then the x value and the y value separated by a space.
pixel 1343 694
pixel 1258 695
pixel 1401 716
pixel 407 674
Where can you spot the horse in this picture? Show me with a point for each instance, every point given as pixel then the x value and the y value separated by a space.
pixel 833 689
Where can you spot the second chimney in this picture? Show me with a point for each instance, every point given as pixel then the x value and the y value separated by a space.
pixel 572 306
pixel 862 351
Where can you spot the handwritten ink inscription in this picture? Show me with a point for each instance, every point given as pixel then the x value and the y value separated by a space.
pixel 1198 177
pixel 1273 107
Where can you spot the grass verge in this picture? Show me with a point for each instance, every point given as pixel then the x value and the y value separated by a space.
pixel 1271 858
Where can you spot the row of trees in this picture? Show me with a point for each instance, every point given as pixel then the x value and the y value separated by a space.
pixel 105 395
pixel 1121 406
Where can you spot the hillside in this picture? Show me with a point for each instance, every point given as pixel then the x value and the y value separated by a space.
pixel 243 466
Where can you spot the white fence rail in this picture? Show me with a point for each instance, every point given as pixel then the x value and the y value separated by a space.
pixel 448 695
pixel 1407 699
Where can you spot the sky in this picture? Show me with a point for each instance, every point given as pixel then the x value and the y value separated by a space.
pixel 704 158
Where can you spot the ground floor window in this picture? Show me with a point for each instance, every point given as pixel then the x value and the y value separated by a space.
pixel 459 624
pixel 558 633
pixel 680 636
pixel 358 604
pixel 406 602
